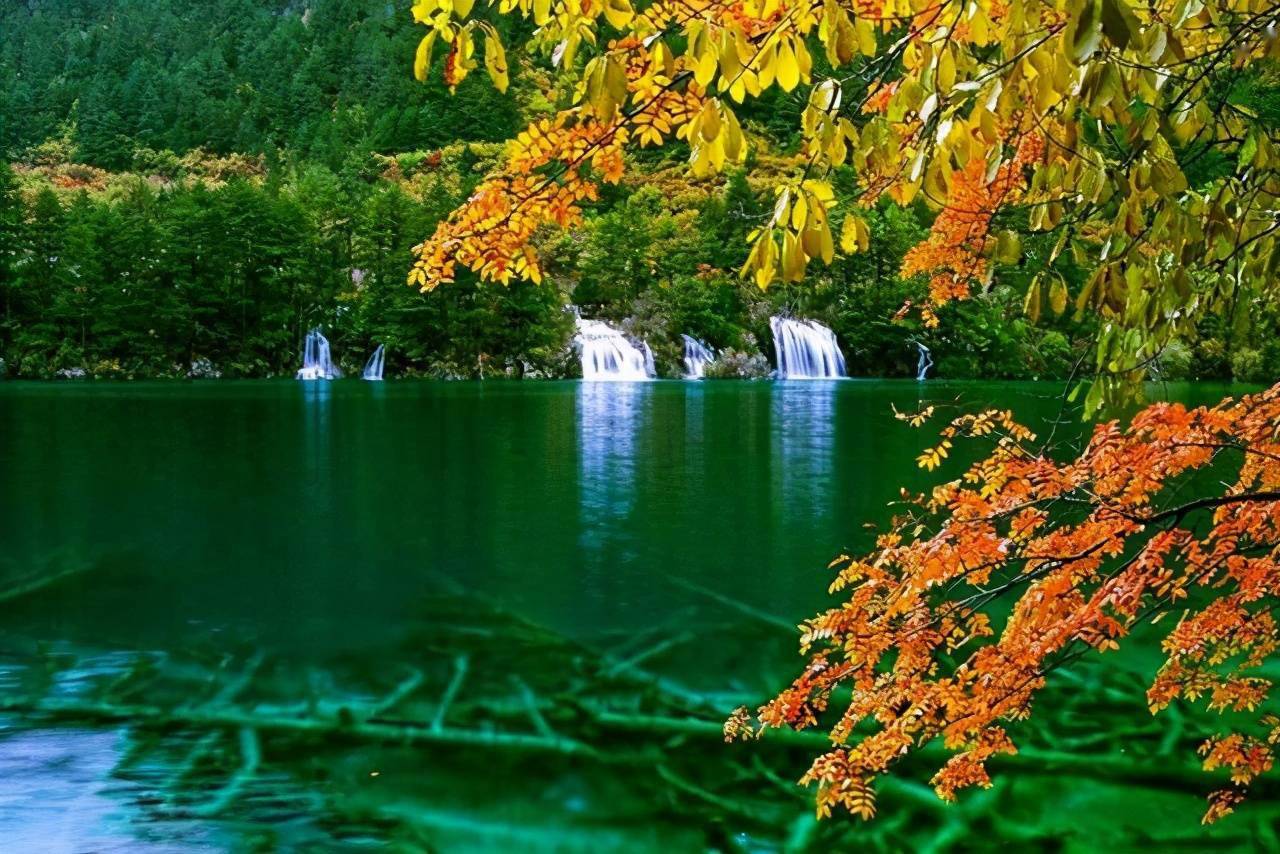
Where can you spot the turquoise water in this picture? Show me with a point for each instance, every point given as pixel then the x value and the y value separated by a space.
pixel 337 501
pixel 314 526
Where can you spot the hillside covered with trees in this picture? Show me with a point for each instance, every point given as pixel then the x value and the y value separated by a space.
pixel 188 194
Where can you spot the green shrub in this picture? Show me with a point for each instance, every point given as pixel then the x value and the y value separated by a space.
pixel 1210 360
pixel 1248 366
pixel 1175 362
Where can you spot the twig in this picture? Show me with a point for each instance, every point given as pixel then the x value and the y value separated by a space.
pixel 459 673
pixel 400 732
pixel 251 757
pixel 722 803
pixel 241 681
pixel 406 687
pixel 531 707
pixel 729 602
pixel 629 665
pixel 198 752
pixel 26 586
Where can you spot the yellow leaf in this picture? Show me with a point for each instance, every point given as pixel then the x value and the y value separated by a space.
pixel 710 120
pixel 734 150
pixel 422 58
pixel 866 35
pixel 766 63
pixel 705 71
pixel 820 190
pixel 828 249
pixel 854 236
pixel 793 257
pixel 788 66
pixel 1084 32
pixel 799 212
pixel 495 61
pixel 617 12
pixel 946 72
pixel 1008 247
pixel 1032 303
pixel 422 11
pixel 1058 296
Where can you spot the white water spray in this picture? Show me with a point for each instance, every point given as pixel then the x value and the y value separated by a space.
pixel 806 350
pixel 696 357
pixel 607 354
pixel 925 363
pixel 373 367
pixel 317 364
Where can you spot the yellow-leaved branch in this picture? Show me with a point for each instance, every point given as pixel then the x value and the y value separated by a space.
pixel 1107 125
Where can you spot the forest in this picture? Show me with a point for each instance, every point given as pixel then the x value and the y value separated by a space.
pixel 174 206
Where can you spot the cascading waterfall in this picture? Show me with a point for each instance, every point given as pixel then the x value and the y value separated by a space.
pixel 607 354
pixel 806 350
pixel 696 357
pixel 925 363
pixel 317 364
pixel 373 367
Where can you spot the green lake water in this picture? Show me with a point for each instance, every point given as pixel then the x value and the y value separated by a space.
pixel 337 531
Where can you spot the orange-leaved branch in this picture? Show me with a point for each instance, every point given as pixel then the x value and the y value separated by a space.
pixel 1087 550
pixel 556 164
pixel 955 254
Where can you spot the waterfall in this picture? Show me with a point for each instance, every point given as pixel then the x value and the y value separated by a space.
pixel 925 363
pixel 806 350
pixel 696 357
pixel 373 367
pixel 607 354
pixel 317 364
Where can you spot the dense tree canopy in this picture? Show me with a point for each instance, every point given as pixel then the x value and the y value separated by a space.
pixel 655 253
pixel 1114 129
pixel 122 75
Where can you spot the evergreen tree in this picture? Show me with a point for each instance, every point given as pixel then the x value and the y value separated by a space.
pixel 78 279
pixel 10 250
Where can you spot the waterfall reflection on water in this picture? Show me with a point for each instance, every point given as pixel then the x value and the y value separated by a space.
pixel 803 426
pixel 610 419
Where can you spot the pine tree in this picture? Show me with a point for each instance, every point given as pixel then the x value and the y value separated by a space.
pixel 10 251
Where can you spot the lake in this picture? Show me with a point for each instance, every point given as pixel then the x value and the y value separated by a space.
pixel 298 551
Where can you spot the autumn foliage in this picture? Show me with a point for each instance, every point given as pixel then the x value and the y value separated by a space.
pixel 1085 550
pixel 955 255
pixel 1107 126
pixel 553 167
pixel 1091 121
